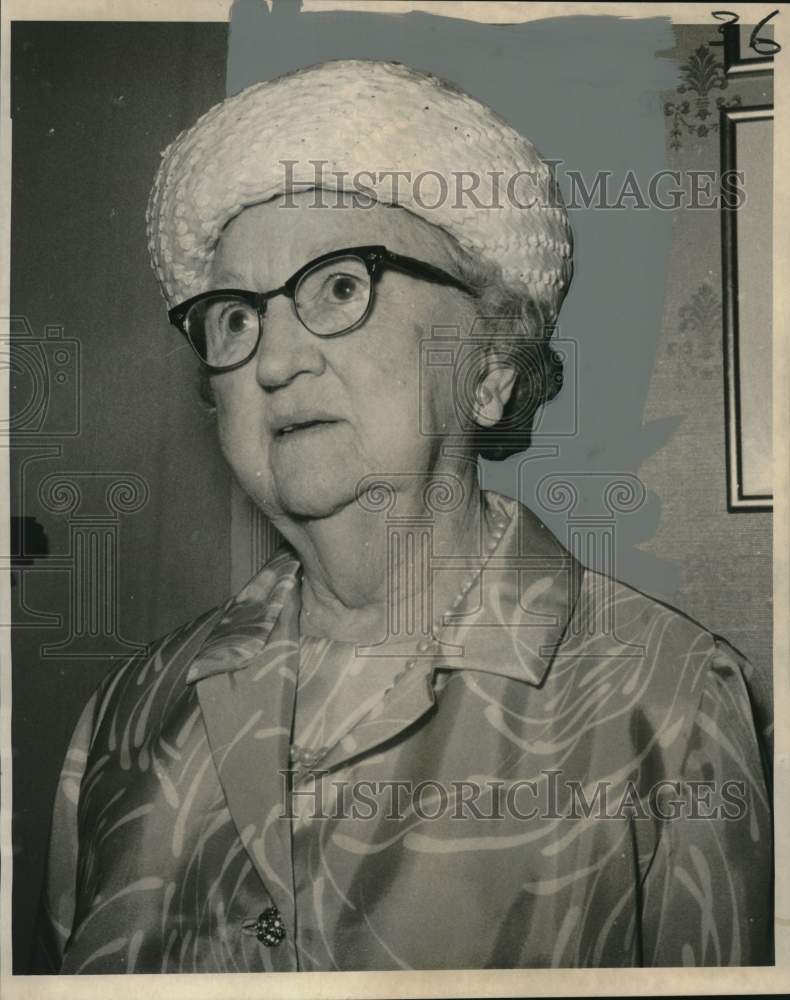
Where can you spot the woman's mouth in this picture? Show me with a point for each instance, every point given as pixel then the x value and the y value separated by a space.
pixel 303 427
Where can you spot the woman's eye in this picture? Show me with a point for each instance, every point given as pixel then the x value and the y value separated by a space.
pixel 237 319
pixel 342 287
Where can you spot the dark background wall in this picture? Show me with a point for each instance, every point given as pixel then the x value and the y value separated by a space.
pixel 93 105
pixel 142 489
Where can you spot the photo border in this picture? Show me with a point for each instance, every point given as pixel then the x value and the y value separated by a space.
pixel 465 983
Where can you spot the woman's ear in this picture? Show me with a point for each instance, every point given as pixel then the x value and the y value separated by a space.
pixel 492 395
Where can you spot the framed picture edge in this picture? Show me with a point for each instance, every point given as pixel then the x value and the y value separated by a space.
pixel 737 500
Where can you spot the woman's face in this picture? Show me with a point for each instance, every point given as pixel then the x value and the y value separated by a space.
pixel 372 411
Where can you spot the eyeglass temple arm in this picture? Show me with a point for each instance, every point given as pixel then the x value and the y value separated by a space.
pixel 426 271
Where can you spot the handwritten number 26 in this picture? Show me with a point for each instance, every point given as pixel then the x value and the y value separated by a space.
pixel 762 46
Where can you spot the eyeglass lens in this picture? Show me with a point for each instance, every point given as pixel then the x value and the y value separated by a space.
pixel 330 298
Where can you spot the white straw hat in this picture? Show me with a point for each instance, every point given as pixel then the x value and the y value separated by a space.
pixel 360 118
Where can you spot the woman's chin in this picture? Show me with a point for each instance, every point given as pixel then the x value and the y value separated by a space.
pixel 306 497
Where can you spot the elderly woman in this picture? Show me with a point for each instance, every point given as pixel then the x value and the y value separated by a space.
pixel 423 736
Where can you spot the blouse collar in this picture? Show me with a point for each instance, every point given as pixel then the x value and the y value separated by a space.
pixel 510 623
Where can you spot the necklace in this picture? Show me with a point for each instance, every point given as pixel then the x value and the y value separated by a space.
pixel 303 759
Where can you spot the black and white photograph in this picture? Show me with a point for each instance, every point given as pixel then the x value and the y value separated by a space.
pixel 395 578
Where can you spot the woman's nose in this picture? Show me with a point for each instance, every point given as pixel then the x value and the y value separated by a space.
pixel 286 347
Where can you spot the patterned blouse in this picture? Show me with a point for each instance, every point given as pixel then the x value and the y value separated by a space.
pixel 572 777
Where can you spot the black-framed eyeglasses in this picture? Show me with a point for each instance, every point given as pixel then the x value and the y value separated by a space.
pixel 331 295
